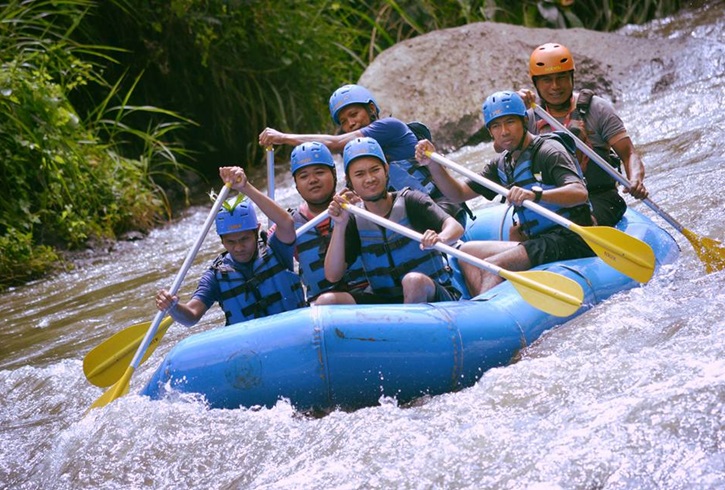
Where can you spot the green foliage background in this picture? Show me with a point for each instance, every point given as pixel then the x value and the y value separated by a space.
pixel 67 178
pixel 105 106
pixel 237 66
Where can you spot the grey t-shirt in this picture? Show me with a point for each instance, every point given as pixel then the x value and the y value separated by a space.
pixel 602 123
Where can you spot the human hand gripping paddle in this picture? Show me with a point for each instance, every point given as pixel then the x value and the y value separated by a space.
pixel 552 293
pixel 105 364
pixel 629 255
pixel 121 387
pixel 710 251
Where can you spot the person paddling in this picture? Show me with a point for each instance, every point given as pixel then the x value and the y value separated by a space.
pixel 354 109
pixel 253 278
pixel 593 120
pixel 399 269
pixel 315 176
pixel 532 168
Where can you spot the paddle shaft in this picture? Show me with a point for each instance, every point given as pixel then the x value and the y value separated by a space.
pixel 594 156
pixel 270 171
pixel 312 223
pixel 180 276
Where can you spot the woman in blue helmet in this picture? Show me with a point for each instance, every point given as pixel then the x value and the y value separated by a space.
pixel 315 176
pixel 399 269
pixel 532 168
pixel 251 279
pixel 354 109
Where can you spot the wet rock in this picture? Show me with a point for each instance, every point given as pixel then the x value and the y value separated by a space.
pixel 443 77
pixel 132 236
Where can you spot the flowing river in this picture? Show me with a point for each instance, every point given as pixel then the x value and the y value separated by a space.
pixel 630 395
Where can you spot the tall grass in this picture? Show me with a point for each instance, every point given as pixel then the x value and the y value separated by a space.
pixel 69 179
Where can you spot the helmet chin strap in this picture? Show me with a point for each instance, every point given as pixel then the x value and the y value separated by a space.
pixel 384 193
pixel 519 147
pixel 521 143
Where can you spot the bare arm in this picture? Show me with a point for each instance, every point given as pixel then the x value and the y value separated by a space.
pixel 335 265
pixel 285 230
pixel 188 314
pixel 335 143
pixel 451 231
pixel 453 189
pixel 633 166
pixel 567 196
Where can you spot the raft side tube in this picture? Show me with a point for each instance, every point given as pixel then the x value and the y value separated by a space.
pixel 325 357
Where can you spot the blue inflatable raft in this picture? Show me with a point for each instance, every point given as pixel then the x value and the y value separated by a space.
pixel 327 357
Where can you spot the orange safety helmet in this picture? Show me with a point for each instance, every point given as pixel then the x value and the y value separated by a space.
pixel 550 58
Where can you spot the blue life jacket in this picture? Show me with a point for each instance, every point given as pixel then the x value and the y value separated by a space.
pixel 388 256
pixel 525 175
pixel 272 288
pixel 311 250
pixel 408 173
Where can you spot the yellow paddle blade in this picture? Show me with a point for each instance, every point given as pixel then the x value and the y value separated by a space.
pixel 550 292
pixel 106 363
pixel 711 252
pixel 629 255
pixel 115 391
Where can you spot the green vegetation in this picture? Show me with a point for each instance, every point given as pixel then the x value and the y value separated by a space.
pixel 87 152
pixel 236 66
pixel 66 179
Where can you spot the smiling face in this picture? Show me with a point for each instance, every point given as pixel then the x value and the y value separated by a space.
pixel 353 117
pixel 368 177
pixel 555 89
pixel 315 183
pixel 507 132
pixel 241 245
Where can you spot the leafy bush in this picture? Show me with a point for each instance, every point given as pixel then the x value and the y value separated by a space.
pixel 64 183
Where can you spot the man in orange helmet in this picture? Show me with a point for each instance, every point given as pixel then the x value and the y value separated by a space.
pixel 593 120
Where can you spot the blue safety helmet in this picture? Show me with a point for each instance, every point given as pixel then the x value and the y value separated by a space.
pixel 350 94
pixel 505 103
pixel 360 147
pixel 242 217
pixel 308 154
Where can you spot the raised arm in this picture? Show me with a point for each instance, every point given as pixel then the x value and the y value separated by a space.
pixel 632 163
pixel 452 188
pixel 335 264
pixel 335 143
pixel 285 230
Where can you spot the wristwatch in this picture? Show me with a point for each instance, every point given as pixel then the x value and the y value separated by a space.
pixel 538 192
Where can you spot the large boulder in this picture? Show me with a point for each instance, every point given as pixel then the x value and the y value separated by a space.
pixel 442 78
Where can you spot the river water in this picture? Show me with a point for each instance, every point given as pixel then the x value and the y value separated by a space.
pixel 630 395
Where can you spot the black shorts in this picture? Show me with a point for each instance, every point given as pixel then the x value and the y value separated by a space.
pixel 556 244
pixel 608 205
pixel 368 297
